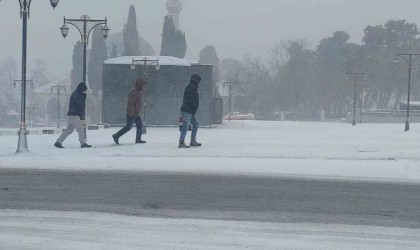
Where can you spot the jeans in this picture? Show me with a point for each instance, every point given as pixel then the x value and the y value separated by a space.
pixel 188 118
pixel 130 121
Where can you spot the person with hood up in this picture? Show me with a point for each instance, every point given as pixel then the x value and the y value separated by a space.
pixel 76 116
pixel 133 112
pixel 188 110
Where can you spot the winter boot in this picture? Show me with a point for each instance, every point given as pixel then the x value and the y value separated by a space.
pixel 115 137
pixel 58 145
pixel 182 145
pixel 86 146
pixel 194 143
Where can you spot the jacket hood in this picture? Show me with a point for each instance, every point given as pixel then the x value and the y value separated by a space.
pixel 81 88
pixel 140 84
pixel 195 79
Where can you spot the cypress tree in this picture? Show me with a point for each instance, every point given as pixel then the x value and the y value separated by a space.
pixel 173 41
pixel 131 35
pixel 98 54
pixel 76 74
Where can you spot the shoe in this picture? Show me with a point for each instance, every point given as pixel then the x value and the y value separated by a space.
pixel 194 143
pixel 116 139
pixel 140 142
pixel 58 145
pixel 182 145
pixel 86 145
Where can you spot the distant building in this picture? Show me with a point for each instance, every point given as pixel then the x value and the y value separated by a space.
pixel 43 106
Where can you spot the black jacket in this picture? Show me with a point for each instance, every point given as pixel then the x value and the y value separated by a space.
pixel 191 99
pixel 77 101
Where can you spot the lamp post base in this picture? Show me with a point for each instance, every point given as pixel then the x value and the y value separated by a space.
pixel 407 126
pixel 144 129
pixel 23 142
pixel 354 122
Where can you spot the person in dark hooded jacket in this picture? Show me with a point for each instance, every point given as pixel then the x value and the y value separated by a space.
pixel 133 113
pixel 189 108
pixel 76 116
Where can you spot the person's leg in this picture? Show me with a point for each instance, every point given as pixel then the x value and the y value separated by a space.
pixel 139 131
pixel 194 131
pixel 125 129
pixel 186 120
pixel 69 129
pixel 77 124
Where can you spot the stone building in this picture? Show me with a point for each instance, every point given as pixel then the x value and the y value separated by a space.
pixel 164 91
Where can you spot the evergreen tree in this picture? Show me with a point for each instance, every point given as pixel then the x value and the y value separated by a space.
pixel 98 54
pixel 76 74
pixel 173 40
pixel 131 35
pixel 114 52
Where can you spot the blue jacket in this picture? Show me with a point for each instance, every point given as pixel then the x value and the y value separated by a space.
pixel 77 101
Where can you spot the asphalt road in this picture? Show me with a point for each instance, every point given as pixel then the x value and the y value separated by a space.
pixel 266 199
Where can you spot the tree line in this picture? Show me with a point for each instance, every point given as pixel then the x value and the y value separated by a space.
pixel 303 81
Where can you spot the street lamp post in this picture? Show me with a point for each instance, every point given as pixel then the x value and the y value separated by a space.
pixel 410 59
pixel 25 6
pixel 231 97
pixel 355 76
pixel 361 101
pixel 32 108
pixel 58 88
pixel 84 25
pixel 145 63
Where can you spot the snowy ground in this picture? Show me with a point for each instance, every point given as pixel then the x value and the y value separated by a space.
pixel 380 152
pixel 321 150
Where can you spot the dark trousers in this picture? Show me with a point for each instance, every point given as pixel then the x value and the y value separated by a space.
pixel 130 121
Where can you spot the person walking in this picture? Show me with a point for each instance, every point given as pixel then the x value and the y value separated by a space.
pixel 76 117
pixel 189 108
pixel 133 112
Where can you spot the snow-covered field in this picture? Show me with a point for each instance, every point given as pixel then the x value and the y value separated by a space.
pixel 321 150
pixel 380 152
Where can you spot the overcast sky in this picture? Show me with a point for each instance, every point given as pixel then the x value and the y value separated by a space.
pixel 234 27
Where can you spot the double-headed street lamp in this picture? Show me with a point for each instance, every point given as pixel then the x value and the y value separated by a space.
pixel 145 63
pixel 84 25
pixel 410 59
pixel 361 100
pixel 25 6
pixel 16 82
pixel 355 76
pixel 58 89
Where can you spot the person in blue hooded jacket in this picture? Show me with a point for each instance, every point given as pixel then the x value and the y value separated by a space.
pixel 189 108
pixel 76 116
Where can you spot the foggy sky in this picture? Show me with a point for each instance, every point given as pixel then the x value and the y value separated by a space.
pixel 234 27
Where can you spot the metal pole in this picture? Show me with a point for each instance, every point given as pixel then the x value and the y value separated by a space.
pixel 84 50
pixel 361 100
pixel 354 101
pixel 407 124
pixel 230 100
pixel 58 107
pixel 145 75
pixel 23 143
